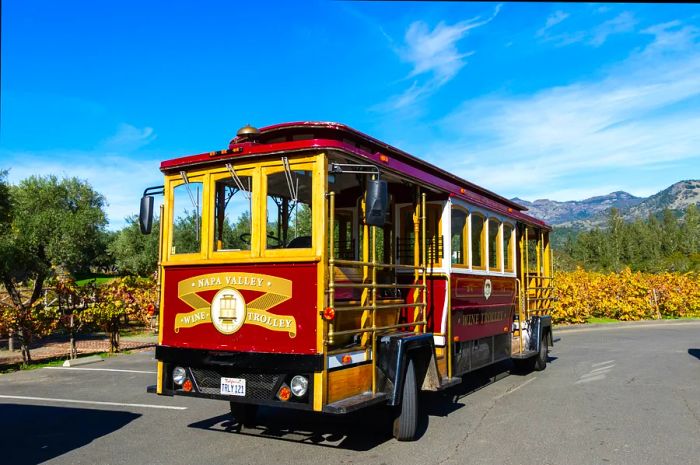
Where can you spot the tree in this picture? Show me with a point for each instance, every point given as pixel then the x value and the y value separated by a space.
pixel 129 297
pixel 135 253
pixel 51 225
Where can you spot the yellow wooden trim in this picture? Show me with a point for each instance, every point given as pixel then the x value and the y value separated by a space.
pixel 320 185
pixel 347 382
pixel 248 260
pixel 159 379
pixel 161 274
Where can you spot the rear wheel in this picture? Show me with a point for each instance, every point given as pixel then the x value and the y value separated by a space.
pixel 541 358
pixel 406 421
pixel 244 414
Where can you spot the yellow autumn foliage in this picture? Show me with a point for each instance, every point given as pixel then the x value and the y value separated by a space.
pixel 625 296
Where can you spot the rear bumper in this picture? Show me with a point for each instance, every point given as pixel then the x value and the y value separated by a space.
pixel 265 374
pixel 260 361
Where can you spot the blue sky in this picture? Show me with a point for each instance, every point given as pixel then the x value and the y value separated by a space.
pixel 542 100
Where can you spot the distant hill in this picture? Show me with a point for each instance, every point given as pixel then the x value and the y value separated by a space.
pixel 590 213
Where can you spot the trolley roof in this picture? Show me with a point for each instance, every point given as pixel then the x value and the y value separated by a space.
pixel 302 136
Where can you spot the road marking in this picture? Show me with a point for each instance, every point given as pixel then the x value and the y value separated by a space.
pixel 596 374
pixel 101 369
pixel 592 378
pixel 602 369
pixel 93 402
pixel 603 363
pixel 510 391
pixel 667 324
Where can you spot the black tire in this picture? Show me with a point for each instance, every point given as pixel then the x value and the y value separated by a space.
pixel 244 414
pixel 541 358
pixel 406 420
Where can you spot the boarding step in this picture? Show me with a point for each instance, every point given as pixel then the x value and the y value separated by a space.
pixel 449 382
pixel 356 402
pixel 525 354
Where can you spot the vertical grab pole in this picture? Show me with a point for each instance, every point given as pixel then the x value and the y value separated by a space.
pixel 331 265
pixel 374 309
pixel 424 300
pixel 539 281
pixel 526 290
pixel 366 277
pixel 416 256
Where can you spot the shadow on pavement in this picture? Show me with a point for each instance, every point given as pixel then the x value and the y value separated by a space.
pixel 694 352
pixel 33 434
pixel 358 431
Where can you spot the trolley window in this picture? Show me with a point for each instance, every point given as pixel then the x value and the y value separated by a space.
pixel 478 241
pixel 495 244
pixel 233 213
pixel 187 218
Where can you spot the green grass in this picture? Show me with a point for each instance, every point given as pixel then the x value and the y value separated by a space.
pixel 33 366
pixel 55 362
pixel 598 320
pixel 99 280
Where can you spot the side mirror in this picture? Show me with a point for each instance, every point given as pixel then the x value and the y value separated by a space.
pixel 377 202
pixel 146 214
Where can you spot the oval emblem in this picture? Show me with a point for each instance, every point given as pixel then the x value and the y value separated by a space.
pixel 487 289
pixel 228 310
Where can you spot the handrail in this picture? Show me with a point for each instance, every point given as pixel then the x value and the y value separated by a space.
pixel 380 328
pixel 376 286
pixel 369 301
pixel 348 308
pixel 378 265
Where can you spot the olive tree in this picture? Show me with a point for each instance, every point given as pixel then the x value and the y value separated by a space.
pixel 46 224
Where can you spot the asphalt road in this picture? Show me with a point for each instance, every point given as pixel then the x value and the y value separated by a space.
pixel 610 395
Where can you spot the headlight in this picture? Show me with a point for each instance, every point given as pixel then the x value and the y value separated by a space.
pixel 179 375
pixel 299 385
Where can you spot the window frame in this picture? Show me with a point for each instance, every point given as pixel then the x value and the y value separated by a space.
pixel 466 247
pixel 317 208
pixel 253 171
pixel 483 242
pixel 508 250
pixel 499 243
pixel 172 182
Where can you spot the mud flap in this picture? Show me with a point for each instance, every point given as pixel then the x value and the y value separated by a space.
pixel 393 354
pixel 540 326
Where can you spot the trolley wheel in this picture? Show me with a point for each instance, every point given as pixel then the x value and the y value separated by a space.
pixel 406 420
pixel 540 361
pixel 244 414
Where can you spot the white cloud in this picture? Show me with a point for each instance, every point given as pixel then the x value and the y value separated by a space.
pixel 113 169
pixel 641 116
pixel 595 36
pixel 129 137
pixel 434 56
pixel 552 20
pixel 119 178
pixel 624 22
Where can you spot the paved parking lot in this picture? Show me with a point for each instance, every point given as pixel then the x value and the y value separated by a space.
pixel 626 395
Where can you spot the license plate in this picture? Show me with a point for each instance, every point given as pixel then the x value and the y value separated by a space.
pixel 233 386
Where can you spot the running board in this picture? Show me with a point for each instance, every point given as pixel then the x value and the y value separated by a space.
pixel 524 355
pixel 356 402
pixel 449 382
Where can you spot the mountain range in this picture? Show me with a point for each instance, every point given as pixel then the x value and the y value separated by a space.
pixel 591 213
